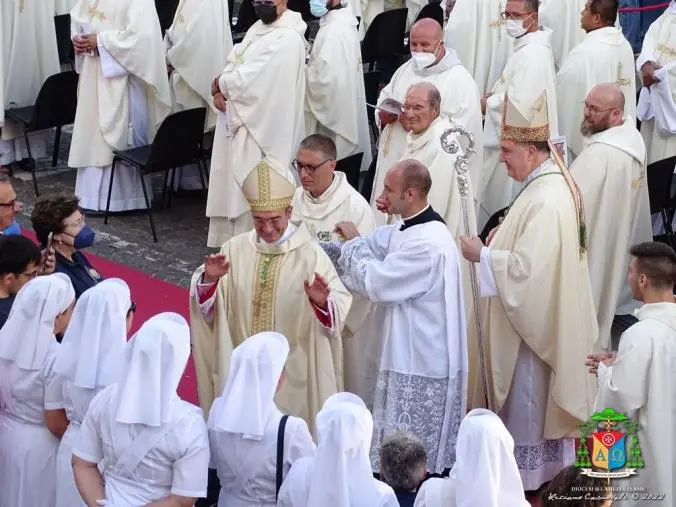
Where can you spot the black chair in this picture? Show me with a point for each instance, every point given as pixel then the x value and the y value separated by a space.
pixel 64 44
pixel 384 38
pixel 432 10
pixel 351 166
pixel 303 8
pixel 372 89
pixel 660 175
pixel 178 143
pixel 166 9
pixel 246 17
pixel 55 107
pixel 492 223
pixel 367 187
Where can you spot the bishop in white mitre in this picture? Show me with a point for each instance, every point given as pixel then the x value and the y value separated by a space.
pixel 538 313
pixel 563 18
pixel 639 380
pixel 657 102
pixel 123 97
pixel 274 277
pixel 200 27
pixel 611 175
pixel 65 6
pixel 323 201
pixel 432 61
pixel 261 88
pixel 604 56
pixel 529 73
pixel 335 100
pixel 476 30
pixel 30 56
pixel 417 358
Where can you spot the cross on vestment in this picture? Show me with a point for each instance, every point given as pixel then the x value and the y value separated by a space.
pixel 94 12
pixel 498 23
pixel 621 81
pixel 667 50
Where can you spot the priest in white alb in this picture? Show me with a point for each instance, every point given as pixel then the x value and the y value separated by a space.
pixel 335 100
pixel 122 99
pixel 529 73
pixel 417 357
pixel 434 62
pixel 657 102
pixel 272 278
pixel 261 93
pixel 476 30
pixel 538 313
pixel 604 56
pixel 563 18
pixel 639 380
pixel 200 27
pixel 611 174
pixel 323 201
pixel 30 56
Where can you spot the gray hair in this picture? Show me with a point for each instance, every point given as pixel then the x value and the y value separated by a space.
pixel 403 461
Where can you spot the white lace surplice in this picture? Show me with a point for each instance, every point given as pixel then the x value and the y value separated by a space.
pixel 418 381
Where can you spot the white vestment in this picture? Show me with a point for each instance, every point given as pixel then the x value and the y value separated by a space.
pixel 417 334
pixel 65 6
pixel 335 100
pixel 610 174
pixel 640 384
pixel 460 103
pixel 529 73
pixel 264 84
pixel 604 56
pixel 658 103
pixel 563 18
pixel 126 84
pixel 29 57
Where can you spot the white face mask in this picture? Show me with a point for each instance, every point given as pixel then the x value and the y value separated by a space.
pixel 423 60
pixel 515 28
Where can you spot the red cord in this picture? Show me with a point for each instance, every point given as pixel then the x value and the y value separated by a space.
pixel 624 10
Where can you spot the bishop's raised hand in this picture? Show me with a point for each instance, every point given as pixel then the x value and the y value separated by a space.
pixel 215 267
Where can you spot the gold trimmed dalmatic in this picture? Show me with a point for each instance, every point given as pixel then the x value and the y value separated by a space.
pixel 264 292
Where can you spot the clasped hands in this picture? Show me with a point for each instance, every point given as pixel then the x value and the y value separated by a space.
pixel 593 360
pixel 85 44
pixel 648 70
pixel 218 97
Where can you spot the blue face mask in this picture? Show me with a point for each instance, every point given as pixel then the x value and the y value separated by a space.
pixel 84 238
pixel 318 8
pixel 12 230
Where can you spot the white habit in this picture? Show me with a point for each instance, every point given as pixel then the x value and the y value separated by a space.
pixel 657 105
pixel 529 73
pixel 611 176
pixel 604 56
pixel 264 84
pixel 460 103
pixel 65 6
pixel 335 102
pixel 640 384
pixel 417 329
pixel 123 97
pixel 563 17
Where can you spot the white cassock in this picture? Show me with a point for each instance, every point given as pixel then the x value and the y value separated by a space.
pixel 640 384
pixel 340 203
pixel 335 100
pixel 65 6
pixel 200 27
pixel 417 358
pixel 475 29
pixel 122 99
pixel 460 103
pixel 564 19
pixel 657 105
pixel 30 56
pixel 264 84
pixel 611 176
pixel 529 73
pixel 604 56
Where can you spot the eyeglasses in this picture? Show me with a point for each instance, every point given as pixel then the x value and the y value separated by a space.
pixel 596 109
pixel 10 204
pixel 515 15
pixel 132 308
pixel 299 166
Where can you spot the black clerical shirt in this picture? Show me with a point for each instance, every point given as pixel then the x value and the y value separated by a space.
pixel 425 216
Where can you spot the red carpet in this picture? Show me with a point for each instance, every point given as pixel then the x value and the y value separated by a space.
pixel 152 296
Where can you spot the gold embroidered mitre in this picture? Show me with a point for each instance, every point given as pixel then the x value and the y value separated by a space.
pixel 266 188
pixel 525 123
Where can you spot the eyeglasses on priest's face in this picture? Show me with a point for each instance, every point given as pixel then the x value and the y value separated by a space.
pixel 300 166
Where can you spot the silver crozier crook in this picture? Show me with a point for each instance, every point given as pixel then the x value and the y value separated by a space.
pixel 451 145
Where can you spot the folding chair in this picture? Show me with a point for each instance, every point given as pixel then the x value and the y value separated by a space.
pixel 384 38
pixel 178 143
pixel 372 89
pixel 64 43
pixel 432 10
pixel 660 175
pixel 351 166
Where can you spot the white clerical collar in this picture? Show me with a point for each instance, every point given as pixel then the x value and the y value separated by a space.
pixel 290 229
pixel 537 172
pixel 418 213
pixel 334 183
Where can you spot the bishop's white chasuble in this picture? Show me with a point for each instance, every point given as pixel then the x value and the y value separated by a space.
pixel 264 84
pixel 563 18
pixel 611 176
pixel 604 56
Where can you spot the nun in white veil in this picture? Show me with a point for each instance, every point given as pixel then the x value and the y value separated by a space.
pixel 154 445
pixel 485 471
pixel 244 422
pixel 90 358
pixel 340 475
pixel 31 420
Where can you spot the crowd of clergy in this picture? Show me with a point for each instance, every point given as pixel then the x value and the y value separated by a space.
pixel 355 349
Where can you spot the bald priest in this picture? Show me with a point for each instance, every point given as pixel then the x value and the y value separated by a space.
pixel 273 278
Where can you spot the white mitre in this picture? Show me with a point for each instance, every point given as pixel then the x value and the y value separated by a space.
pixel 266 188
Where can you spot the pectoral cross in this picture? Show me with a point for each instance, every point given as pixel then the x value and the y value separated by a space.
pixel 620 80
pixel 94 12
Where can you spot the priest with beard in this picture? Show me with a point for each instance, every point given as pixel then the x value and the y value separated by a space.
pixel 260 94
pixel 611 174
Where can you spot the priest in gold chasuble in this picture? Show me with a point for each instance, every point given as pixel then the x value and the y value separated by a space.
pixel 537 306
pixel 273 278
